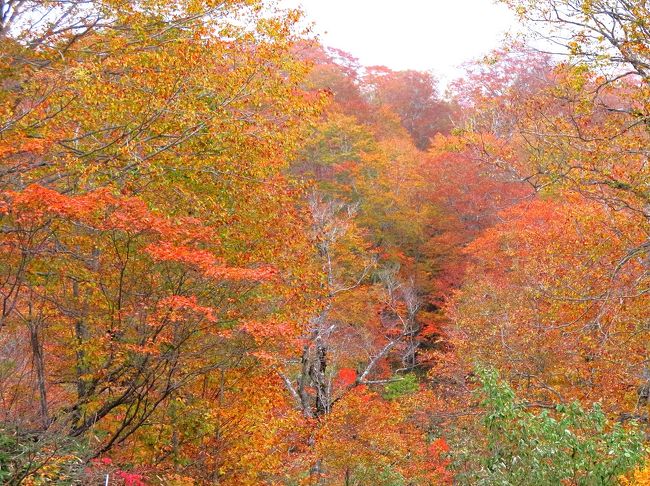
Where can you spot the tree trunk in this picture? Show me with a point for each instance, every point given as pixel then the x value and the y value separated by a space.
pixel 39 366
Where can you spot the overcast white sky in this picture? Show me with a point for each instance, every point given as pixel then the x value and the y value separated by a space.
pixel 436 35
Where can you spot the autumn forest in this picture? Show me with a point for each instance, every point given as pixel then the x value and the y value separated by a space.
pixel 233 255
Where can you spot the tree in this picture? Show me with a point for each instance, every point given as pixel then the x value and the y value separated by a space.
pixel 414 97
pixel 602 32
pixel 548 301
pixel 143 207
pixel 572 137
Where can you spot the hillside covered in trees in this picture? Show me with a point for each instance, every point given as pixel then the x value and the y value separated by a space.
pixel 231 255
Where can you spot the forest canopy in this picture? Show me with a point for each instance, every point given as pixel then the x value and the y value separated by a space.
pixel 230 254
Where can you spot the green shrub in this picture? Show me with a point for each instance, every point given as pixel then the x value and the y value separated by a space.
pixel 565 445
pixel 405 385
